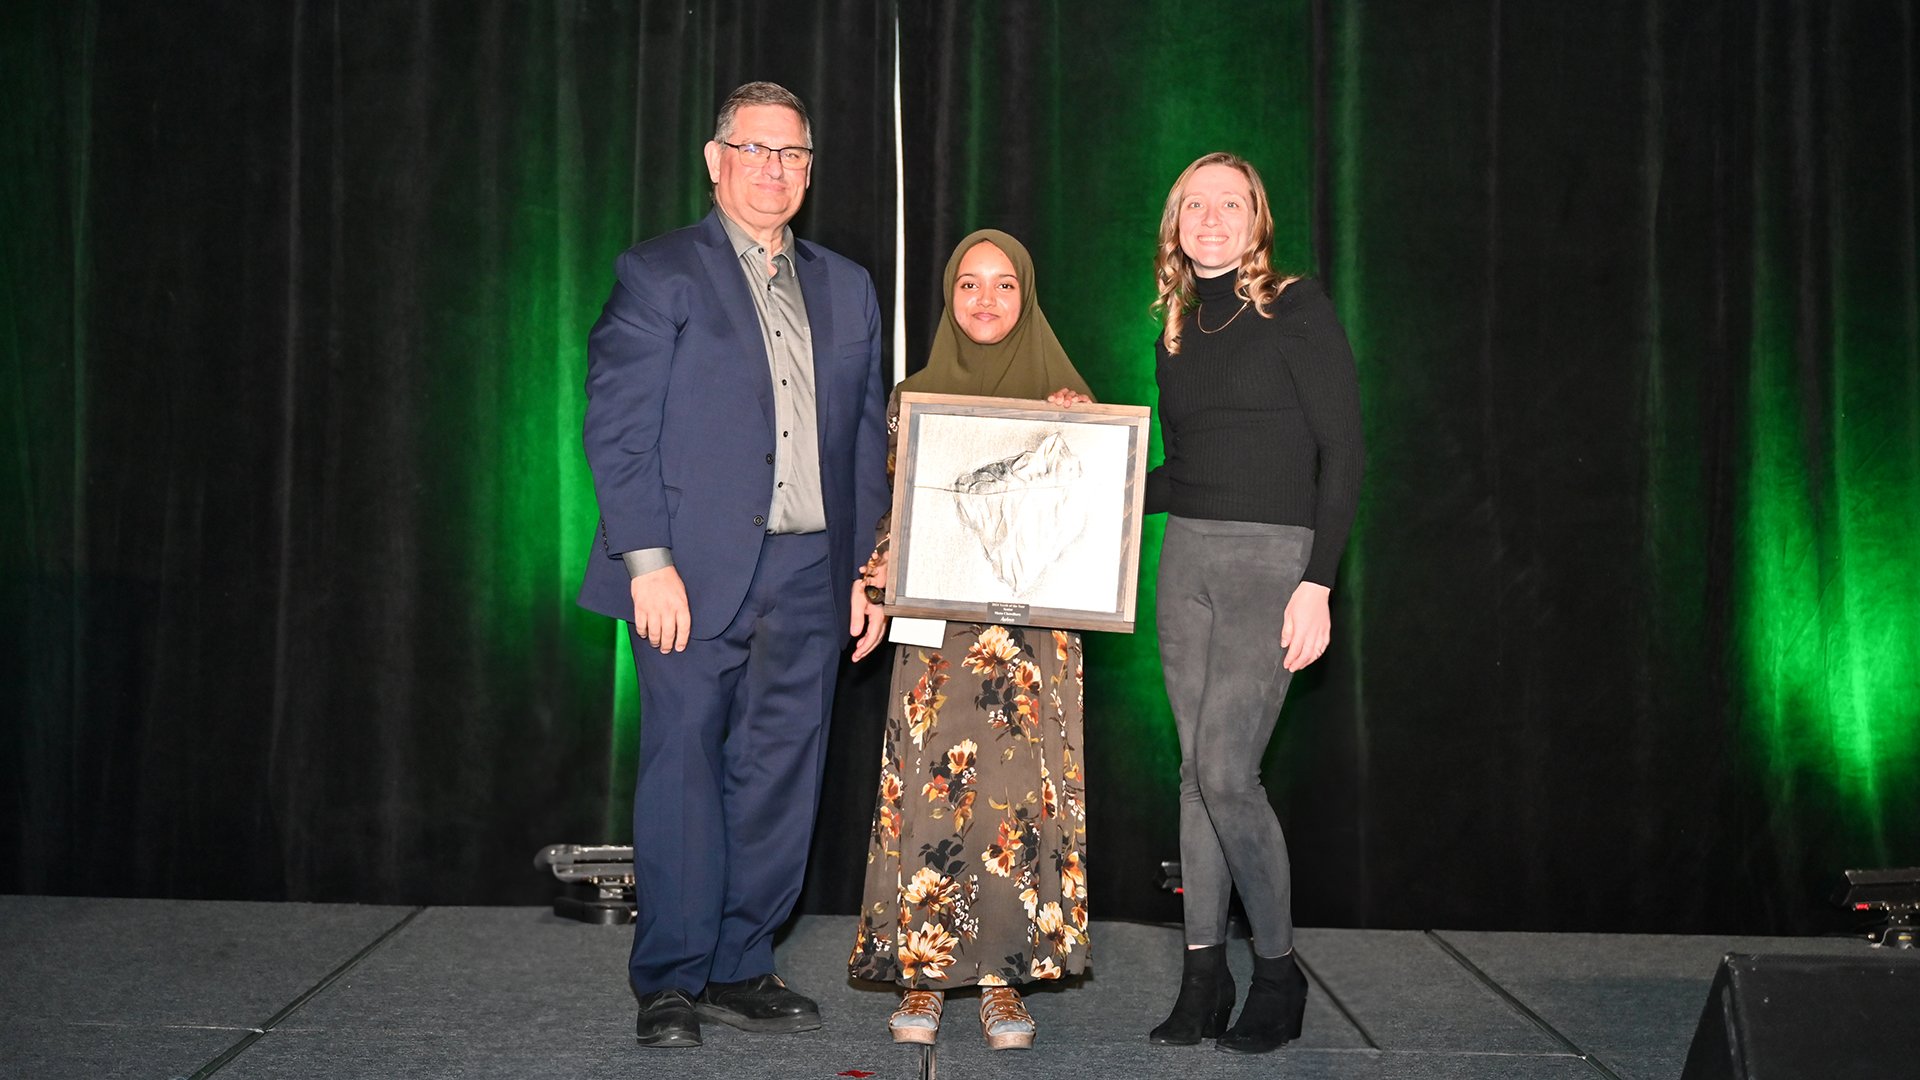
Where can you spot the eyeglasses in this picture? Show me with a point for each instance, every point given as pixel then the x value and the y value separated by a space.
pixel 792 157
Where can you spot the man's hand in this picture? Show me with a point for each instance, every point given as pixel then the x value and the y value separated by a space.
pixel 1307 627
pixel 660 609
pixel 869 620
pixel 1066 396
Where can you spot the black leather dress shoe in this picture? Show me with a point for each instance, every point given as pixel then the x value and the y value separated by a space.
pixel 762 1003
pixel 667 1019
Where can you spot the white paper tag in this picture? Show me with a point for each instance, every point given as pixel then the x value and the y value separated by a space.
pixel 929 633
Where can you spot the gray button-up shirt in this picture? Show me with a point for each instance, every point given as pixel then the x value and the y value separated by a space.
pixel 782 310
pixel 797 505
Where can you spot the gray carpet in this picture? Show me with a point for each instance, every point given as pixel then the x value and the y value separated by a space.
pixel 160 989
pixel 1631 1001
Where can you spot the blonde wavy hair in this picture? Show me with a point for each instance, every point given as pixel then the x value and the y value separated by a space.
pixel 1257 282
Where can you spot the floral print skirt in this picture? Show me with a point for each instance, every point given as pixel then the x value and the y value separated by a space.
pixel 976 863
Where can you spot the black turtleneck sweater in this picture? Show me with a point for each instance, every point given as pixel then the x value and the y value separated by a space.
pixel 1260 419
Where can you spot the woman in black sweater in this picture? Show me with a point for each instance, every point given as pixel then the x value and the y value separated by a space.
pixel 1260 419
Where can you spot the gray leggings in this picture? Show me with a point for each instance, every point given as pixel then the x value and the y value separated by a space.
pixel 1224 587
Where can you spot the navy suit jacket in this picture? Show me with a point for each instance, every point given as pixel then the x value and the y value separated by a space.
pixel 679 429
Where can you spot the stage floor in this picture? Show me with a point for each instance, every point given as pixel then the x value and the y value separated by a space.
pixel 250 991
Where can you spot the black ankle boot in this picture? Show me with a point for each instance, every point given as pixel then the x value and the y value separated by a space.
pixel 1205 1001
pixel 1275 1005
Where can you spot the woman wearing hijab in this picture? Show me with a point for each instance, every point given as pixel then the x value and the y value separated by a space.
pixel 1260 418
pixel 976 864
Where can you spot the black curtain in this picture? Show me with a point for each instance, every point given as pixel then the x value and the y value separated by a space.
pixel 297 298
pixel 294 308
pixel 1627 633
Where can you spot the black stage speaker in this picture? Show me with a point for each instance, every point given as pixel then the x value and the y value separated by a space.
pixel 1773 1017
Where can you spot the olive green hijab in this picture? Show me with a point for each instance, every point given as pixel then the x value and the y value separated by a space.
pixel 1027 363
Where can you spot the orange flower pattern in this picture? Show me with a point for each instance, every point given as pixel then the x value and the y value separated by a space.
pixel 976 865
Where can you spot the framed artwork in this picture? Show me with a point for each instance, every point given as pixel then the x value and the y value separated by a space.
pixel 1012 511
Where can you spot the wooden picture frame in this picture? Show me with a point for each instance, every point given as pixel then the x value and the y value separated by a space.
pixel 1012 511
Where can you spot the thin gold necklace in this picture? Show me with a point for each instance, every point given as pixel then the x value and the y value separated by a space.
pixel 1222 326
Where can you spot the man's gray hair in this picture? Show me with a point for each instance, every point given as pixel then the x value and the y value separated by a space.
pixel 758 93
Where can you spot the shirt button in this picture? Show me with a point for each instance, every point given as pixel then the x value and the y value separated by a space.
pixel 776 333
pixel 783 434
pixel 759 519
pixel 769 459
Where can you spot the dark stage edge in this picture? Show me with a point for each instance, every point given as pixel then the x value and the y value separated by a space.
pixel 245 991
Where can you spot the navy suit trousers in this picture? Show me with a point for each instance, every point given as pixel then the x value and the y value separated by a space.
pixel 733 738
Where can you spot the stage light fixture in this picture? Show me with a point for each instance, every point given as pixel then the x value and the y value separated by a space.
pixel 1169 878
pixel 596 883
pixel 1892 896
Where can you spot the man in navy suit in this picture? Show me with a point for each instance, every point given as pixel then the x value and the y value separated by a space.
pixel 736 432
